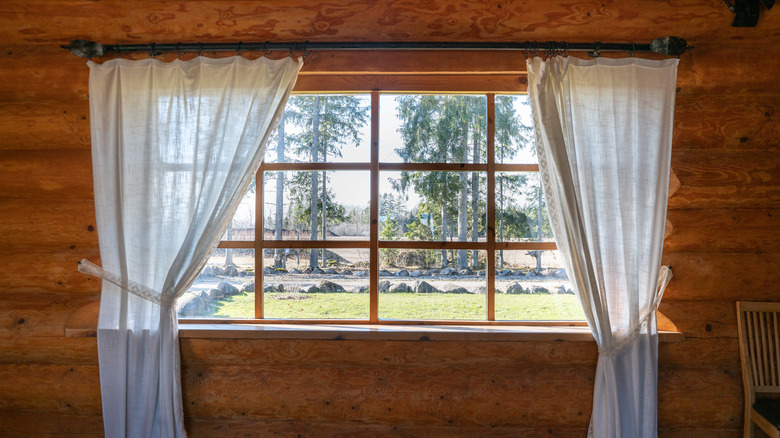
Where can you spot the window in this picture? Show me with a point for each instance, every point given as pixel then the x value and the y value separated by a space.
pixel 442 220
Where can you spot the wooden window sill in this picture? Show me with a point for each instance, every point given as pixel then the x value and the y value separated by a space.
pixel 386 332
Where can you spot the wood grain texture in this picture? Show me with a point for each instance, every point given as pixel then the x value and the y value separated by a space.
pixel 44 124
pixel 63 389
pixel 723 276
pixel 702 319
pixel 31 174
pixel 745 230
pixel 24 315
pixel 714 394
pixel 48 350
pixel 722 353
pixel 49 424
pixel 741 179
pixel 407 354
pixel 40 270
pixel 447 395
pixel 47 224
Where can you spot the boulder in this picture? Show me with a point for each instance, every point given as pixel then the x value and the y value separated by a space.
pixel 504 272
pixel 402 273
pixel 535 289
pixel 466 271
pixel 516 288
pixel 384 286
pixel 227 288
pixel 230 271
pixel 424 287
pixel 273 288
pixel 294 271
pixel 416 273
pixel 317 271
pixel 458 290
pixel 213 294
pixel 268 270
pixel 560 289
pixel 194 304
pixel 249 286
pixel 207 272
pixel 330 272
pixel 482 290
pixel 401 287
pixel 346 272
pixel 448 271
pixel 385 273
pixel 434 271
pixel 359 289
pixel 330 287
pixel 360 273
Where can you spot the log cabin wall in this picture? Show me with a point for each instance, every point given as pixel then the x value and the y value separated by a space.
pixel 723 231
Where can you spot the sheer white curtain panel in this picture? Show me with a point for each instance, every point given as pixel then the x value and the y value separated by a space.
pixel 604 139
pixel 174 149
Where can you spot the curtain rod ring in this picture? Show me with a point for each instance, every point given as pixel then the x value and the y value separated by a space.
pixel 632 52
pixel 239 52
pixel 151 50
pixel 305 50
pixel 178 50
pixel 266 52
pixel 292 49
pixel 200 49
pixel 116 50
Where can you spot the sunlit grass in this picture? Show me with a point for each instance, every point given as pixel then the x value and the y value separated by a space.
pixel 405 306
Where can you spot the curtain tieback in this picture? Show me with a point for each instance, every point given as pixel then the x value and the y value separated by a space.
pixel 663 280
pixel 139 290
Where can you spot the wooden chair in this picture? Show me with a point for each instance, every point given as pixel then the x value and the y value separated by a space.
pixel 759 349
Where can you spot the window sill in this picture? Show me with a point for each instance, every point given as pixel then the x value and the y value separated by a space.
pixel 383 332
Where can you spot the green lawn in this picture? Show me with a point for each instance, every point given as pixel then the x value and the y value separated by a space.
pixel 403 306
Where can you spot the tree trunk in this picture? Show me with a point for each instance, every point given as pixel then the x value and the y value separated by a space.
pixel 501 220
pixel 279 259
pixel 315 140
pixel 475 205
pixel 539 228
pixel 229 252
pixel 324 209
pixel 463 262
pixel 444 221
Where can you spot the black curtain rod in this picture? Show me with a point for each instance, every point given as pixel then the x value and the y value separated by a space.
pixel 672 46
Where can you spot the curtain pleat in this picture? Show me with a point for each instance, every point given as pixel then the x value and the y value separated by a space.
pixel 174 148
pixel 604 136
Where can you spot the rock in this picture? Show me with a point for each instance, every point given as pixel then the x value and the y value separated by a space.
pixel 416 273
pixel 245 273
pixel 561 273
pixel 346 272
pixel 466 271
pixel 268 270
pixel 313 290
pixel 448 271
pixel 330 272
pixel 273 288
pixel 538 290
pixel 280 271
pixel 194 304
pixel 360 273
pixel 425 288
pixel 294 271
pixel 384 286
pixel 402 273
pixel 213 294
pixel 560 289
pixel 207 272
pixel 330 287
pixel 482 290
pixel 518 273
pixel 230 271
pixel 569 292
pixel 433 272
pixel 481 273
pixel 216 270
pixel 458 290
pixel 516 288
pixel 227 288
pixel 385 273
pixel 504 272
pixel 249 286
pixel 359 289
pixel 317 271
pixel 401 287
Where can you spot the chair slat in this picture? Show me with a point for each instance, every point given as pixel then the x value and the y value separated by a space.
pixel 758 376
pixel 763 336
pixel 777 349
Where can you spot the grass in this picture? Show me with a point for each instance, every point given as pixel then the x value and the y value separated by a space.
pixel 410 306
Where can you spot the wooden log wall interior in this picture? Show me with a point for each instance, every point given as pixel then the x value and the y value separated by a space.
pixel 723 239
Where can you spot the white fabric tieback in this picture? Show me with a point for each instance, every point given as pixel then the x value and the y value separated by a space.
pixel 139 290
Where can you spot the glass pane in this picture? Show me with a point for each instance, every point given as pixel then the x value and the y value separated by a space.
pixel 340 125
pixel 519 200
pixel 533 285
pixel 514 140
pixel 417 128
pixel 414 205
pixel 316 284
pixel 243 225
pixel 224 288
pixel 288 214
pixel 411 286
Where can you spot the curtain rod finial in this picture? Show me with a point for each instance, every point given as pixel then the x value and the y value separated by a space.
pixel 85 48
pixel 674 46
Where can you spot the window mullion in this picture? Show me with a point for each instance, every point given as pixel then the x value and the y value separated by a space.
pixel 259 190
pixel 373 281
pixel 490 273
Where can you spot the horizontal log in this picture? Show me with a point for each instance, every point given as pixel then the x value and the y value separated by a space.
pixel 707 398
pixel 46 174
pixel 727 122
pixel 705 70
pixel 53 350
pixel 64 389
pixel 48 224
pixel 724 230
pixel 721 353
pixel 45 271
pixel 25 315
pixel 723 276
pixel 250 428
pixel 502 396
pixel 40 22
pixel 702 319
pixel 322 353
pixel 726 179
pixel 689 432
pixel 44 124
pixel 50 424
pixel 413 83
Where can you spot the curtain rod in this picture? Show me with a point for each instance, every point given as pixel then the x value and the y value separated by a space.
pixel 673 46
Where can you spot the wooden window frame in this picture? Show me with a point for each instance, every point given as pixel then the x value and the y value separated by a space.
pixel 489 85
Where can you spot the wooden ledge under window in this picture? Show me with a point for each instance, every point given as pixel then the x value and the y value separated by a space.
pixel 394 332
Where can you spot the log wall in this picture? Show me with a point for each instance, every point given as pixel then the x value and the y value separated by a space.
pixel 723 239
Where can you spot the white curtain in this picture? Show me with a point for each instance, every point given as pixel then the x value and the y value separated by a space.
pixel 604 136
pixel 174 148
